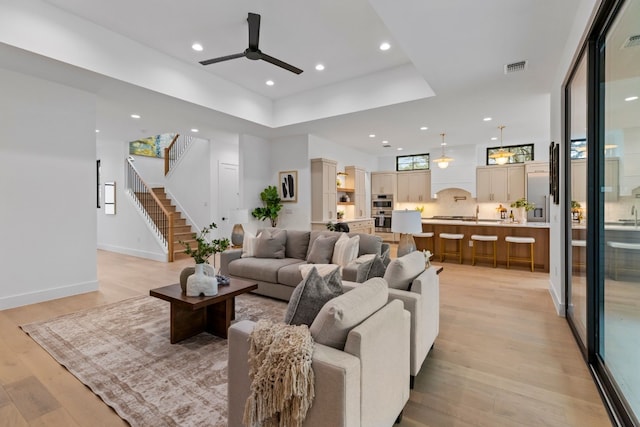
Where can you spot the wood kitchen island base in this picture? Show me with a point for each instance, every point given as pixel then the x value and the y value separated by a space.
pixel 192 315
pixel 538 231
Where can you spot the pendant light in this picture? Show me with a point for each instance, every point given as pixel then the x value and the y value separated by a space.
pixel 443 161
pixel 501 156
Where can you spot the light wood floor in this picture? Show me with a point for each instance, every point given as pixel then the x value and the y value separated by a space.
pixel 503 358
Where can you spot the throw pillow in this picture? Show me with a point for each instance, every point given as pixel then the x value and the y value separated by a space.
pixel 345 250
pixel 401 271
pixel 310 296
pixel 322 250
pixel 370 269
pixel 386 256
pixel 341 314
pixel 323 269
pixel 248 244
pixel 270 244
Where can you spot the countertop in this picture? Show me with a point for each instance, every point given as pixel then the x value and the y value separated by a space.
pixel 494 223
pixel 343 220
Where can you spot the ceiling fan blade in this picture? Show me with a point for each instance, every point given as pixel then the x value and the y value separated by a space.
pixel 223 58
pixel 254 30
pixel 280 64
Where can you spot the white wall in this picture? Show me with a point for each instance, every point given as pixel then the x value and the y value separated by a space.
pixel 48 188
pixel 583 17
pixel 256 174
pixel 292 154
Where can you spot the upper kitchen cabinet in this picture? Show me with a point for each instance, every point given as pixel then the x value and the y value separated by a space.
pixel 324 194
pixel 414 187
pixel 579 176
pixel 356 180
pixel 500 183
pixel 383 183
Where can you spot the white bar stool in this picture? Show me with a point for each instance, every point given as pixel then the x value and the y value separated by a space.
pixel 514 239
pixel 426 235
pixel 483 238
pixel 450 236
pixel 617 247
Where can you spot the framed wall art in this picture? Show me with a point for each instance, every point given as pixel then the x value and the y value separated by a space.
pixel 288 186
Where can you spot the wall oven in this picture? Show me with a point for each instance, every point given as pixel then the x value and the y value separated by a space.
pixel 381 208
pixel 382 202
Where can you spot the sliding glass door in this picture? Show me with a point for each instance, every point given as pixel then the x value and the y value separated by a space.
pixel 619 150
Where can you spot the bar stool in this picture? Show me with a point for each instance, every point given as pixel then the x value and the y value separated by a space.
pixel 483 238
pixel 575 261
pixel 617 247
pixel 418 237
pixel 514 239
pixel 450 236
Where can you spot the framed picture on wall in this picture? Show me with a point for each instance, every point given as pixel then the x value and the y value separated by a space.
pixel 288 186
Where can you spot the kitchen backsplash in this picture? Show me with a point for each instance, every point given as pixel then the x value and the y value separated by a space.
pixel 455 201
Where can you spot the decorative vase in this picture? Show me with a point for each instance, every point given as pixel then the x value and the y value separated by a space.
pixel 522 212
pixel 202 282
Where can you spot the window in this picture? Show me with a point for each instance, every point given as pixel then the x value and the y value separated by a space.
pixel 522 153
pixel 412 162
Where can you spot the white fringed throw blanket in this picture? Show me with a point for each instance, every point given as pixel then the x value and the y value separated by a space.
pixel 282 381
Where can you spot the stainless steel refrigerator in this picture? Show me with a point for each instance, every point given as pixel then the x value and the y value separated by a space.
pixel 538 193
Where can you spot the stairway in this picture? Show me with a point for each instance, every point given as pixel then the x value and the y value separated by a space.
pixel 181 231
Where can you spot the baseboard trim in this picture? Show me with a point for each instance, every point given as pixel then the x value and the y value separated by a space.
pixel 560 307
pixel 13 301
pixel 162 257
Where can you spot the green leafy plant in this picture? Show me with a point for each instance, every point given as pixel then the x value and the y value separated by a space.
pixel 205 249
pixel 522 203
pixel 271 205
pixel 575 205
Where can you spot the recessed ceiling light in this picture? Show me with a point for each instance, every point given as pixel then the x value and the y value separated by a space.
pixel 269 83
pixel 197 47
pixel 424 128
pixel 135 116
pixel 372 135
pixel 194 130
pixel 385 46
pixel 631 98
pixel 399 148
pixel 494 138
pixel 487 119
pixel 97 130
pixel 385 142
pixel 319 67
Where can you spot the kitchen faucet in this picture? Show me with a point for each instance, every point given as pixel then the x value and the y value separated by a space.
pixel 477 212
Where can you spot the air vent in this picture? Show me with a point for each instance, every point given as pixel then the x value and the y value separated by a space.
pixel 386 146
pixel 632 41
pixel 515 67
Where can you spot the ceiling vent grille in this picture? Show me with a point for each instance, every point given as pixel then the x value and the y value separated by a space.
pixel 515 67
pixel 632 41
pixel 386 146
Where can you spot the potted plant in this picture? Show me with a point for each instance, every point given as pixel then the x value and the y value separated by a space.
pixel 523 206
pixel 272 204
pixel 576 210
pixel 201 279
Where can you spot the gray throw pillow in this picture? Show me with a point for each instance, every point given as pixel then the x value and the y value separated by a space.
pixel 310 295
pixel 270 244
pixel 322 249
pixel 386 257
pixel 370 269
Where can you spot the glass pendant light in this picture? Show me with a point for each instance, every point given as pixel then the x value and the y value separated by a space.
pixel 443 161
pixel 501 156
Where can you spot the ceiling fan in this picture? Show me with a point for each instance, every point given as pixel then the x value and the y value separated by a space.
pixel 252 52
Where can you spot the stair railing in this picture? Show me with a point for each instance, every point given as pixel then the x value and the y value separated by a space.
pixel 173 152
pixel 160 219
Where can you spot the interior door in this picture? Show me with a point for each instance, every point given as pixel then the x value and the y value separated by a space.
pixel 228 197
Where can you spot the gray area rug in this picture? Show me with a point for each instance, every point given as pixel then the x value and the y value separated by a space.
pixel 122 353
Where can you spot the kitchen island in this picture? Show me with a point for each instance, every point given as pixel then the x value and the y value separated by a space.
pixel 537 230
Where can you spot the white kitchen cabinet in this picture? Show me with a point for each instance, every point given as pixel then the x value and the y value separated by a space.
pixel 503 184
pixel 414 187
pixel 383 183
pixel 356 180
pixel 324 194
pixel 579 180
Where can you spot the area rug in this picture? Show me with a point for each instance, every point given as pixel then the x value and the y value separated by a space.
pixel 122 353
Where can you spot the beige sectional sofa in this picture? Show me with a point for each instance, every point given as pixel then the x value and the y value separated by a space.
pixel 277 277
pixel 357 383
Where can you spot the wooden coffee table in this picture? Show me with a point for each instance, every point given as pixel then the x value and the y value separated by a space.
pixel 192 315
